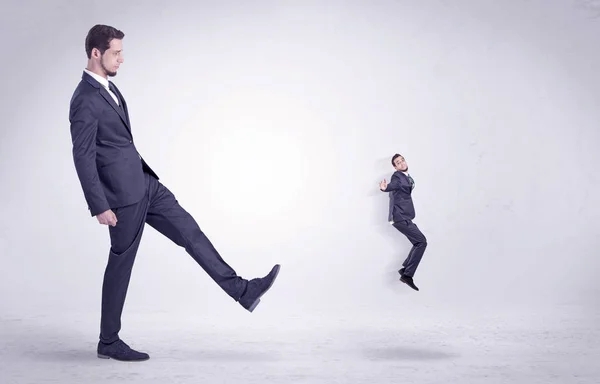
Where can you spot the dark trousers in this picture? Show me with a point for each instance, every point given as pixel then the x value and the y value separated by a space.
pixel 160 210
pixel 417 239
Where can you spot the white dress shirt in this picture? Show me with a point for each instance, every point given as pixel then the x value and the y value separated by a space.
pixel 104 82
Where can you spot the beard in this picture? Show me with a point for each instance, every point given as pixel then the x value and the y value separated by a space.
pixel 108 73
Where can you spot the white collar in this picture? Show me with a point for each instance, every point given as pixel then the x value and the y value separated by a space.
pixel 98 78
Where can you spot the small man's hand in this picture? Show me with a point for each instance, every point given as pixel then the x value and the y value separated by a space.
pixel 383 185
pixel 107 218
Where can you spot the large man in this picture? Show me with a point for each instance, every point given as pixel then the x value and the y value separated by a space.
pixel 123 192
pixel 401 214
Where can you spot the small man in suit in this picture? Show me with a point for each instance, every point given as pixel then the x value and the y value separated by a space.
pixel 401 214
pixel 124 193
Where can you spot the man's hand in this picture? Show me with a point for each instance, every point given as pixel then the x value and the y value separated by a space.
pixel 107 218
pixel 383 185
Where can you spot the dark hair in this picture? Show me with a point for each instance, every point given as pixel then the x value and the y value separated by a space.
pixel 99 36
pixel 394 158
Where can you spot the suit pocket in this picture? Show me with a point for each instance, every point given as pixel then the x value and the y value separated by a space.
pixel 106 173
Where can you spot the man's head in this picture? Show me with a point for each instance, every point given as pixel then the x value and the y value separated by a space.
pixel 104 46
pixel 399 163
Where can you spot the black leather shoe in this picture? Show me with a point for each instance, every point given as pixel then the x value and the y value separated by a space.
pixel 408 281
pixel 258 287
pixel 120 351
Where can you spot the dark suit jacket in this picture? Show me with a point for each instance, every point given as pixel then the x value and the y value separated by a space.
pixel 401 204
pixel 109 167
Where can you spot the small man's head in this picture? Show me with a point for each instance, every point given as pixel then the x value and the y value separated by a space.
pixel 104 49
pixel 399 163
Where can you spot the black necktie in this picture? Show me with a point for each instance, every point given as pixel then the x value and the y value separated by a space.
pixel 113 89
pixel 412 182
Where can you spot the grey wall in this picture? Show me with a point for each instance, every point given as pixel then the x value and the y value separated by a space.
pixel 294 109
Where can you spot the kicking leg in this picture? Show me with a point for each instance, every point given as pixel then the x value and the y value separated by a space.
pixel 169 218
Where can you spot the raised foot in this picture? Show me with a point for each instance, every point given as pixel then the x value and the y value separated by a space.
pixel 409 281
pixel 257 288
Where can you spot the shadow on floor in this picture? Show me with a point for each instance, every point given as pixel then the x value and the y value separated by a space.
pixel 62 356
pixel 215 355
pixel 225 355
pixel 405 353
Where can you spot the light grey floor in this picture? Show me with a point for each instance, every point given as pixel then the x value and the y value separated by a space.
pixel 431 345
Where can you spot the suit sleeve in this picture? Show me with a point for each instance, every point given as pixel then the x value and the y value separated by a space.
pixel 393 185
pixel 84 126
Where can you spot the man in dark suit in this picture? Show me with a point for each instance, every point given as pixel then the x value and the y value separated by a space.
pixel 401 214
pixel 123 192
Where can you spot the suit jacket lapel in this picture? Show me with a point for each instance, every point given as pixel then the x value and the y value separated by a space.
pixel 407 179
pixel 109 99
pixel 403 177
pixel 126 111
pixel 114 105
pixel 123 112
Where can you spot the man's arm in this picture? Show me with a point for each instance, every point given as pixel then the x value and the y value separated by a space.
pixel 393 185
pixel 84 126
